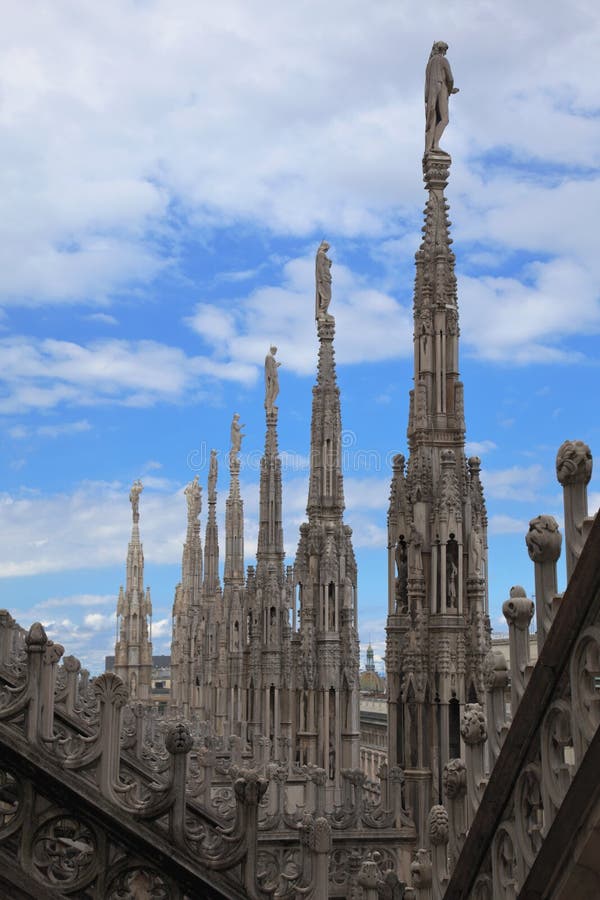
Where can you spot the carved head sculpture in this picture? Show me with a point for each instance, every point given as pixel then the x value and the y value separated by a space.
pixel 454 778
pixel 179 739
pixel 438 825
pixel 420 869
pixel 574 463
pixel 518 609
pixel 473 727
pixel 543 539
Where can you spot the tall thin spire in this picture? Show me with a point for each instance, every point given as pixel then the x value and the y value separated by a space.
pixel 234 512
pixel 437 626
pixel 212 584
pixel 326 489
pixel 270 528
pixel 327 727
pixel 133 650
pixel 187 603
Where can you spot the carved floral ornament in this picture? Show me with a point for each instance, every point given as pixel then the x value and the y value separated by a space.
pixel 64 851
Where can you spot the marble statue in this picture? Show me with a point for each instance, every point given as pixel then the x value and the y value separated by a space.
pixel 236 434
pixel 271 379
pixel 212 474
pixel 439 84
pixel 475 551
pixel 193 494
pixel 323 281
pixel 415 557
pixel 134 497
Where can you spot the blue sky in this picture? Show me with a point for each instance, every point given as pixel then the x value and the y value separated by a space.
pixel 168 170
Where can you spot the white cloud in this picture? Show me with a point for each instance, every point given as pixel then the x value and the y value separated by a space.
pixel 370 325
pixel 20 432
pixel 503 524
pixel 102 318
pixel 521 483
pixel 44 374
pixel 479 448
pixel 283 117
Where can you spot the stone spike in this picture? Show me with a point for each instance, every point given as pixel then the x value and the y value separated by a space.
pixel 191 563
pixel 212 584
pixel 438 625
pixel 326 679
pixel 436 402
pixel 270 528
pixel 234 526
pixel 133 649
pixel 326 486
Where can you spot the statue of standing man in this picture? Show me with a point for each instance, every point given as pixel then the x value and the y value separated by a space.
pixel 236 435
pixel 439 84
pixel 134 498
pixel 271 379
pixel 323 282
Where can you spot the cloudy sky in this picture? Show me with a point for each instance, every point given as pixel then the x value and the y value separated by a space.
pixel 168 170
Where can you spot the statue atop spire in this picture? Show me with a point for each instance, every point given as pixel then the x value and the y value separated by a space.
pixel 323 283
pixel 212 476
pixel 193 493
pixel 134 498
pixel 439 84
pixel 236 435
pixel 271 379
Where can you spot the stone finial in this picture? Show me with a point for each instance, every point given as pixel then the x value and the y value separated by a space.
pixel 543 539
pixel 134 498
pixel 323 282
pixel 439 84
pixel 518 609
pixel 36 638
pixel 574 463
pixel 473 726
pixel 109 688
pixel 271 379
pixel 398 463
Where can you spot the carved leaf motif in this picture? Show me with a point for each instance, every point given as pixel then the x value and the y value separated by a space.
pixel 109 688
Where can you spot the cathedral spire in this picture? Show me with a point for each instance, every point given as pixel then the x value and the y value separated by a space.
pixel 437 626
pixel 270 528
pixel 212 585
pixel 234 512
pixel 326 490
pixel 327 726
pixel 133 650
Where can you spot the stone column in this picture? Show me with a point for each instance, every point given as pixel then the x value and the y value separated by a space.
pixel 543 544
pixel 574 470
pixel 518 612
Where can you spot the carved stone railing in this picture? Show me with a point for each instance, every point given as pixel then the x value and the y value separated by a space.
pixel 536 767
pixel 544 781
pixel 81 760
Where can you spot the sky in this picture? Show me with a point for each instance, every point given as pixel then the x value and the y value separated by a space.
pixel 168 170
